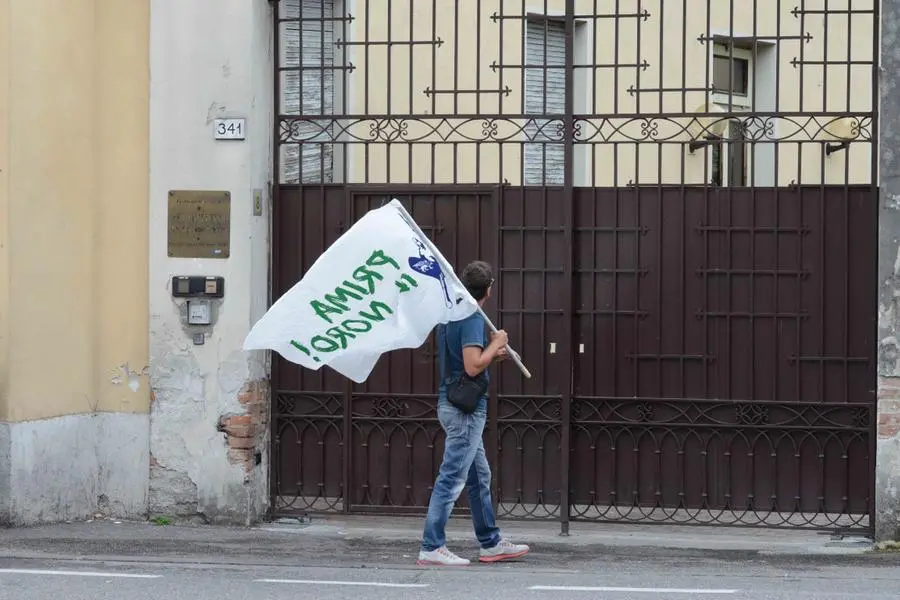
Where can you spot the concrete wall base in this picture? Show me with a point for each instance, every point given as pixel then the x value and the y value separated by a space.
pixel 887 484
pixel 70 467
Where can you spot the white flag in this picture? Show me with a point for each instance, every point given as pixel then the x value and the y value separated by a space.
pixel 377 288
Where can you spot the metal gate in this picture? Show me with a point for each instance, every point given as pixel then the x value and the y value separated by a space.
pixel 681 205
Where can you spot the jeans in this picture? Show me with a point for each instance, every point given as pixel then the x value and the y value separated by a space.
pixel 464 464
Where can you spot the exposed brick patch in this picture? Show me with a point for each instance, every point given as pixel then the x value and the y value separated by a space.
pixel 888 407
pixel 241 443
pixel 245 434
pixel 888 426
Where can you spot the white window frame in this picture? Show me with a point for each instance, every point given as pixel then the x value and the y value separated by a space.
pixel 738 101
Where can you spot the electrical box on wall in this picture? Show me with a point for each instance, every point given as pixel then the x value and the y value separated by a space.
pixel 198 286
pixel 199 312
pixel 200 294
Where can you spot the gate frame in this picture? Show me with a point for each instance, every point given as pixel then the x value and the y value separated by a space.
pixel 497 192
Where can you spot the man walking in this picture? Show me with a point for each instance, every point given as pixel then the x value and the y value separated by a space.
pixel 463 347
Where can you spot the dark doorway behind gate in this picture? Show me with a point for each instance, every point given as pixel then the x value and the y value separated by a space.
pixel 684 230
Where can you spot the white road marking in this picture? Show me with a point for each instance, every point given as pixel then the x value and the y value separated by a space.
pixel 78 573
pixel 575 588
pixel 357 583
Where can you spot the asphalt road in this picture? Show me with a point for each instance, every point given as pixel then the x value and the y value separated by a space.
pixel 541 575
pixel 374 558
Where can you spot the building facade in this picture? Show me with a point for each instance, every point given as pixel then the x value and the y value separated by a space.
pixel 682 201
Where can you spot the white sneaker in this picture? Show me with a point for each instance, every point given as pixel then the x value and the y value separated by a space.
pixel 442 557
pixel 503 551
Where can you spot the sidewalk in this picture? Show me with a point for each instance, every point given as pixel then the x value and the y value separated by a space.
pixel 590 535
pixel 380 539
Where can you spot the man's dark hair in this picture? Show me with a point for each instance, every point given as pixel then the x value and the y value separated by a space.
pixel 477 277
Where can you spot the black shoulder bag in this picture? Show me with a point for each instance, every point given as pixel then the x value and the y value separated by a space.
pixel 463 391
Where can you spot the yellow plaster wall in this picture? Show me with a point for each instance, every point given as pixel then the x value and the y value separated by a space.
pixel 76 185
pixel 4 207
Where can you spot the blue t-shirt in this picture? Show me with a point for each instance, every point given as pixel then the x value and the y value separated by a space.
pixel 454 336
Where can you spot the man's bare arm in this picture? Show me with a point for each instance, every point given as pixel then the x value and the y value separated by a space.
pixel 476 360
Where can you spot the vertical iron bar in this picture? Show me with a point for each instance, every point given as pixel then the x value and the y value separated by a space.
pixel 523 223
pixel 751 172
pixel 493 448
pixel 637 198
pixel 682 280
pixel 347 458
pixel 823 198
pixel 751 181
pixel 545 72
pixel 684 203
pixel 776 379
pixel 729 245
pixel 708 487
pixel 410 146
pixel 477 67
pixel 612 496
pixel 617 39
pixel 456 86
pixel 434 5
pixel 580 272
pixel 275 262
pixel 500 24
pixel 389 85
pixel 300 72
pixel 846 320
pixel 368 63
pixel 345 152
pixel 615 233
pixel 775 498
pixel 524 74
pixel 729 251
pixel 799 193
pixel 568 208
pixel 845 333
pixel 322 71
pixel 659 213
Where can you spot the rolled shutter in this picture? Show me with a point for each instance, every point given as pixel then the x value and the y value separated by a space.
pixel 309 91
pixel 544 161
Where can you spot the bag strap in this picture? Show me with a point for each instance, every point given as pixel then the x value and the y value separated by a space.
pixel 442 352
pixel 443 358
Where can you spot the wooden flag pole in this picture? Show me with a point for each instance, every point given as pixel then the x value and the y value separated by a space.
pixel 451 273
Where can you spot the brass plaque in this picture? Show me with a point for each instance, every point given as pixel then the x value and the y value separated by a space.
pixel 199 224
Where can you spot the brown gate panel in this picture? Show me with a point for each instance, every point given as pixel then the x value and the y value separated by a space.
pixel 380 438
pixel 532 292
pixel 727 365
pixel 308 417
pixel 722 357
pixel 396 442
